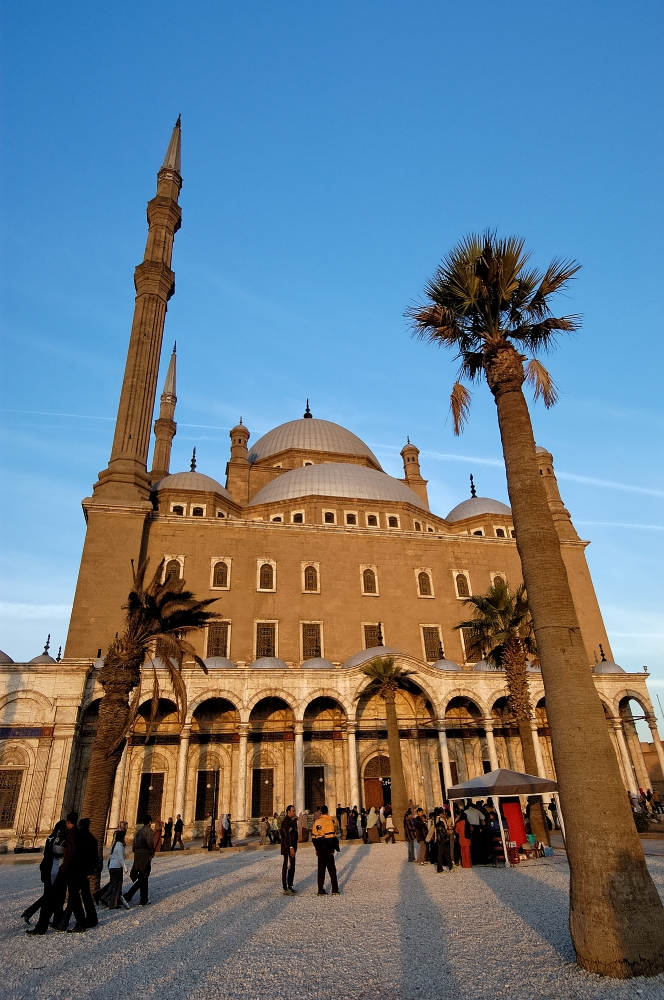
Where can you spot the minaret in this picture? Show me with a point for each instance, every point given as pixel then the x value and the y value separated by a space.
pixel 126 479
pixel 561 516
pixel 237 470
pixel 165 426
pixel 411 467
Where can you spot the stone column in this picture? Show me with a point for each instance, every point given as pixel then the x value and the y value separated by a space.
pixel 183 764
pixel 299 767
pixel 241 805
pixel 491 744
pixel 652 724
pixel 352 766
pixel 118 788
pixel 624 753
pixel 445 755
pixel 538 749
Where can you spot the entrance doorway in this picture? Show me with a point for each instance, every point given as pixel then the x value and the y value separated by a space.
pixel 377 782
pixel 262 791
pixel 314 787
pixel 150 796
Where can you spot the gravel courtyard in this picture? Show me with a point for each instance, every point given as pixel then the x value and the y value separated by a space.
pixel 219 927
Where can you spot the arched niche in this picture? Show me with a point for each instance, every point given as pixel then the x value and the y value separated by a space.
pixel 324 713
pixel 215 715
pixel 465 738
pixel 271 714
pixel 166 719
pixel 414 707
pixel 633 713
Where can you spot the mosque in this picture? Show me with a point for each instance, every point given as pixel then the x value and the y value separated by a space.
pixel 319 561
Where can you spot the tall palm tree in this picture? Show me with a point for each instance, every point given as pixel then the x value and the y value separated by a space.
pixel 502 632
pixel 386 679
pixel 490 305
pixel 159 616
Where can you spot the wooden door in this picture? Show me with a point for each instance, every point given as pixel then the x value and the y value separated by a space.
pixel 150 796
pixel 373 793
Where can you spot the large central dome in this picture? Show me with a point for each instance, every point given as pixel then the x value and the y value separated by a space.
pixel 311 435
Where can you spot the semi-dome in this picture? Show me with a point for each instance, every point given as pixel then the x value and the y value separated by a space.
pixel 476 506
pixel 608 667
pixel 369 654
pixel 269 662
pixel 309 434
pixel 192 481
pixel 336 479
pixel 4 658
pixel 318 663
pixel 446 665
pixel 218 663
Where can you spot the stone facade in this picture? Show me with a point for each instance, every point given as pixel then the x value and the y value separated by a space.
pixel 318 561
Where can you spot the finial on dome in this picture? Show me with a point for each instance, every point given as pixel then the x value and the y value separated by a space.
pixel 240 421
pixel 59 656
pixel 193 460
pixel 473 491
pixel 380 634
pixel 407 439
pixel 441 651
pixel 601 651
pixel 48 643
pixel 308 415
pixel 178 123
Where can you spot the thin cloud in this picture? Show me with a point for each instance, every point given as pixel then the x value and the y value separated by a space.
pixel 628 487
pixel 622 524
pixel 44 611
pixel 43 413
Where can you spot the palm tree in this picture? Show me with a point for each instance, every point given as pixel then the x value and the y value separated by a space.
pixel 490 305
pixel 386 678
pixel 159 617
pixel 501 631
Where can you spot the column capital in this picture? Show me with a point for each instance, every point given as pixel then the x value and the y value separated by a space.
pixel 488 724
pixel 616 722
pixel 351 727
pixel 243 729
pixel 652 723
pixel 185 732
pixel 441 725
pixel 298 728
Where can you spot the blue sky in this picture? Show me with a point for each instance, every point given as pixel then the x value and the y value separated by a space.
pixel 332 153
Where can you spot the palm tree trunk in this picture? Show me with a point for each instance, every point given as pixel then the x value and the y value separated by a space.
pixel 616 915
pixel 399 794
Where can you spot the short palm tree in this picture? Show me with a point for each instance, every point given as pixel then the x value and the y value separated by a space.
pixel 502 632
pixel 493 308
pixel 386 678
pixel 159 616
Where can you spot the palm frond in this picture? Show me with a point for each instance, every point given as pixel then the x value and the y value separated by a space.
pixel 460 406
pixel 543 384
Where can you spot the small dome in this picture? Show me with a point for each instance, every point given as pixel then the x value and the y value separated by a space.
pixel 42 658
pixel 269 663
pixel 191 481
pixel 608 667
pixel 218 662
pixel 309 434
pixel 368 654
pixel 336 479
pixel 542 451
pixel 241 428
pixel 484 665
pixel 446 665
pixel 99 662
pixel 4 658
pixel 476 506
pixel 318 663
pixel 533 668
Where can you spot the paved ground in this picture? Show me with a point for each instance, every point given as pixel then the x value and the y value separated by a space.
pixel 219 927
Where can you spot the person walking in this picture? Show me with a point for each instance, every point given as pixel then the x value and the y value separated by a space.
pixel 390 829
pixel 352 823
pixel 116 869
pixel 289 838
pixel 372 826
pixel 168 835
pixel 363 827
pixel 142 866
pixel 326 843
pixel 101 896
pixel 443 828
pixel 264 829
pixel 68 879
pixel 90 865
pixel 421 830
pixel 410 832
pixel 48 869
pixel 274 828
pixel 177 829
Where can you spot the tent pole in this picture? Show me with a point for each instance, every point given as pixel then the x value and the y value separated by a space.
pixel 502 834
pixel 560 819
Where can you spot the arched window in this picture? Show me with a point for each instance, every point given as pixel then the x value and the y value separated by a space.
pixel 351 519
pixel 500 532
pixel 462 585
pixel 277 518
pixel 220 578
pixel 372 520
pixel 369 581
pixel 298 517
pixel 424 584
pixel 220 513
pixel 328 517
pixel 266 577
pixel 393 522
pixel 172 570
pixel 197 512
pixel 418 526
pixel 310 578
pixel 178 509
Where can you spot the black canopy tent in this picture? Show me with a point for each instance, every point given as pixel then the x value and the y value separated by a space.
pixel 503 783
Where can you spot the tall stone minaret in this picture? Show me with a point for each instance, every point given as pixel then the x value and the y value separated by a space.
pixel 165 426
pixel 411 468
pixel 126 479
pixel 118 513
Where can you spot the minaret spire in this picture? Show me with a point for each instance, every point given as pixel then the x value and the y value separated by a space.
pixel 126 481
pixel 165 427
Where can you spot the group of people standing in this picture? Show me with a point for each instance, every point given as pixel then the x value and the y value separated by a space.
pixel 453 836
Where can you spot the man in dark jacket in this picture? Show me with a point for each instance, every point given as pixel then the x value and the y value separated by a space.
pixel 288 835
pixel 48 869
pixel 421 830
pixel 142 866
pixel 326 842
pixel 90 865
pixel 68 879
